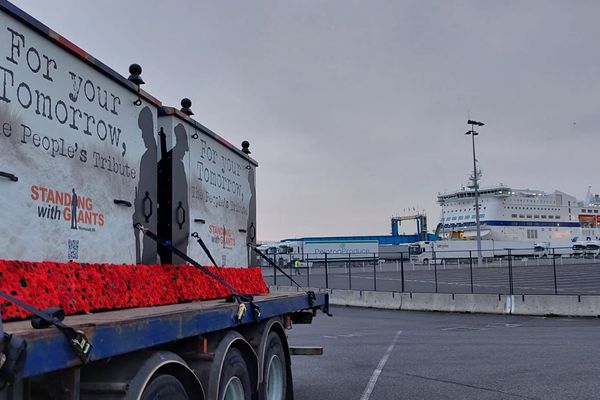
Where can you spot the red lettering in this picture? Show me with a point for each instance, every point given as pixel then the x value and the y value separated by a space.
pixel 34 193
pixel 59 198
pixel 87 217
pixel 51 196
pixel 67 214
pixel 44 191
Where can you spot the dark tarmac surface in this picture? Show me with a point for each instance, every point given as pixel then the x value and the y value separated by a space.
pixel 446 356
pixel 573 276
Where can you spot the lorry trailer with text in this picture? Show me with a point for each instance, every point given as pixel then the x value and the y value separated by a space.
pixel 98 175
pixel 442 251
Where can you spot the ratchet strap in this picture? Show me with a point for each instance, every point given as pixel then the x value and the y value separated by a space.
pixel 77 340
pixel 234 296
pixel 196 236
pixel 267 259
pixel 312 297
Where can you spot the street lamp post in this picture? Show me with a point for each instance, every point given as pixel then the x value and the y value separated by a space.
pixel 473 133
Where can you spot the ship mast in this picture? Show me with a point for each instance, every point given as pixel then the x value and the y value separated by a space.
pixel 475 185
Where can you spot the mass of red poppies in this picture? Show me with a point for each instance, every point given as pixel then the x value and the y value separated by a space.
pixel 84 288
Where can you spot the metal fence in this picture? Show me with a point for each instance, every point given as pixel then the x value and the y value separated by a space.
pixel 500 272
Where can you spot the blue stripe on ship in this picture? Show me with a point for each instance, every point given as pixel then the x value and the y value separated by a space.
pixel 518 223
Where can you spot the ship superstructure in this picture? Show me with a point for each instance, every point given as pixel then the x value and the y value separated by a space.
pixel 519 214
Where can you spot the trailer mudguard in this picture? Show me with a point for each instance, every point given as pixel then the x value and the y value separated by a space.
pixel 130 375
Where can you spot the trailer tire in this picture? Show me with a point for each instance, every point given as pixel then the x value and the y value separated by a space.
pixel 275 369
pixel 164 387
pixel 426 261
pixel 235 381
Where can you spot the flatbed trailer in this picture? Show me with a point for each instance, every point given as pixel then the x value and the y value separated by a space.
pixel 85 156
pixel 133 347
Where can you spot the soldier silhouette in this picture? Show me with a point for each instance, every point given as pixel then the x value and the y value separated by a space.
pixel 74 210
pixel 181 225
pixel 145 202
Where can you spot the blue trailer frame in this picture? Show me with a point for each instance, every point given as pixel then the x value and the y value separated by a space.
pixel 114 333
pixel 129 332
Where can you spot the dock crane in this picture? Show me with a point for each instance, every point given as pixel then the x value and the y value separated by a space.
pixel 421 219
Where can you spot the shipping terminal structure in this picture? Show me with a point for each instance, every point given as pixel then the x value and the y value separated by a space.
pixel 93 169
pixel 359 247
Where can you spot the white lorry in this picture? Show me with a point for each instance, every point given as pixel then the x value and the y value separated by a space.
pixel 319 251
pixel 442 251
pixel 554 249
pixel 586 249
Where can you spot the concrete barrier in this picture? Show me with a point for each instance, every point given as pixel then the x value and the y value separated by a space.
pixel 474 303
pixel 366 298
pixel 577 306
pixel 286 289
pixel 355 298
pixel 584 306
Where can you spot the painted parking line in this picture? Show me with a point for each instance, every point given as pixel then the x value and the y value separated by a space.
pixel 371 385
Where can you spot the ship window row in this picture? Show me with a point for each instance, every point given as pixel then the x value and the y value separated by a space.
pixel 464 203
pixel 534 208
pixel 532 234
pixel 463 217
pixel 465 210
pixel 471 194
pixel 535 216
pixel 534 200
pixel 537 201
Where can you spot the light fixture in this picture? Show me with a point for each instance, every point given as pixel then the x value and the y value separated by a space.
pixel 135 76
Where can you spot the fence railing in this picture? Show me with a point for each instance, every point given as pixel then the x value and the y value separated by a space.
pixel 505 271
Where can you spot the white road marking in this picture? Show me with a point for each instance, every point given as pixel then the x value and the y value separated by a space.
pixel 348 335
pixel 371 385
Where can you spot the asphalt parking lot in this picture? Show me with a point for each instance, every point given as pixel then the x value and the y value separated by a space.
pixel 384 355
pixel 572 276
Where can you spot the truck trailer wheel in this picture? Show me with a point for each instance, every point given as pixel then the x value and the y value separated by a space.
pixel 275 369
pixel 164 387
pixel 235 380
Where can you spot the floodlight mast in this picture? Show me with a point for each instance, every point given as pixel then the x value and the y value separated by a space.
pixel 475 179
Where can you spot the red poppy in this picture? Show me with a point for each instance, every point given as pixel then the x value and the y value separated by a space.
pixel 94 287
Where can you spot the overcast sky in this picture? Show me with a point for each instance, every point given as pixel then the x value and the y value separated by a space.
pixel 356 110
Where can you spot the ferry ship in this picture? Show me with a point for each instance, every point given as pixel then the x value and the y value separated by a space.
pixel 506 213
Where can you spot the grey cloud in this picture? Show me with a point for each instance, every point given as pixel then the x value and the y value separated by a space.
pixel 356 110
